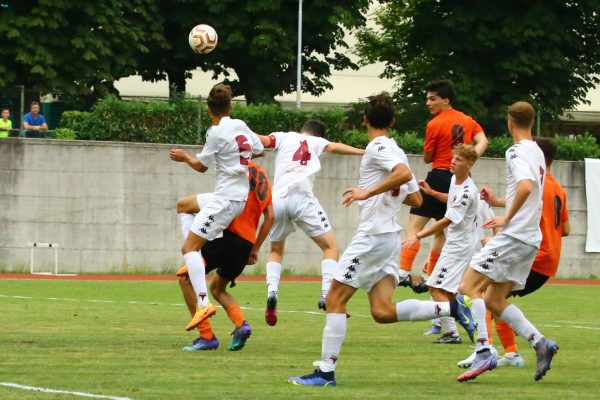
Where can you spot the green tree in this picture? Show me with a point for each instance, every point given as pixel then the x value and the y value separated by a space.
pixel 496 52
pixel 77 48
pixel 257 41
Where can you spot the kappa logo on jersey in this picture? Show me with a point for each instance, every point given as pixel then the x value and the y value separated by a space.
pixel 380 148
pixel 514 156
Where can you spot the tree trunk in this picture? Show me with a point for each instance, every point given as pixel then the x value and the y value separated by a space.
pixel 176 81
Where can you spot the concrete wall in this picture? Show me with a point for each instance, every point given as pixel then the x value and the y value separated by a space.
pixel 110 206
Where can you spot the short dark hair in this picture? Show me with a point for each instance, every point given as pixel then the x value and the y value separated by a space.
pixel 34 103
pixel 380 110
pixel 314 127
pixel 219 99
pixel 5 108
pixel 548 146
pixel 444 88
pixel 522 114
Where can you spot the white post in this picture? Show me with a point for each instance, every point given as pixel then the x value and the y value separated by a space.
pixel 299 61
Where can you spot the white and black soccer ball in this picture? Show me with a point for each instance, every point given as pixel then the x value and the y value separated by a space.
pixel 203 39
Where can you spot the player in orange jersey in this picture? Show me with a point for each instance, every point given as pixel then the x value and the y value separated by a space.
pixel 446 129
pixel 229 255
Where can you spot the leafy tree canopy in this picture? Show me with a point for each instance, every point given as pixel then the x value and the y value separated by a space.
pixel 496 52
pixel 73 47
pixel 258 40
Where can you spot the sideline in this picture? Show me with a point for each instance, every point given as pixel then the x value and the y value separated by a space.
pixel 48 390
pixel 103 277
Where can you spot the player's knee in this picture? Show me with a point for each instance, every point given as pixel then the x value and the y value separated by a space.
pixel 181 205
pixel 383 315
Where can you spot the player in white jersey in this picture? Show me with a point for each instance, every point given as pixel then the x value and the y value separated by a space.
pixel 228 148
pixel 460 220
pixel 371 260
pixel 296 163
pixel 505 261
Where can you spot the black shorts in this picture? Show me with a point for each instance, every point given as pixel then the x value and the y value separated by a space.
pixel 228 255
pixel 439 180
pixel 534 281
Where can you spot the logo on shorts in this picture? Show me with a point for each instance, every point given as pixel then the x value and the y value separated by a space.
pixel 207 224
pixel 439 281
pixel 484 266
pixel 355 260
pixel 211 218
pixel 203 230
pixel 351 268
pixel 348 276
pixel 494 254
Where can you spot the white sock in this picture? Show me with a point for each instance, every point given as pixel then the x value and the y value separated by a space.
pixel 403 273
pixel 478 310
pixel 186 223
pixel 419 310
pixel 333 337
pixel 436 321
pixel 328 267
pixel 273 276
pixel 517 321
pixel 449 326
pixel 197 274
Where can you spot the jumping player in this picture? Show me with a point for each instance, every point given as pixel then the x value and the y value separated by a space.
pixel 296 163
pixel 229 147
pixel 505 262
pixel 229 254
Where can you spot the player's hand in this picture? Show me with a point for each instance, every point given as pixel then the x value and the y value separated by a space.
pixel 486 194
pixel 410 241
pixel 485 240
pixel 253 257
pixel 353 194
pixel 496 222
pixel 425 188
pixel 178 155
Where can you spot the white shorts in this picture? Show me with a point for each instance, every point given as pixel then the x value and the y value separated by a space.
pixel 368 259
pixel 216 213
pixel 447 273
pixel 505 259
pixel 305 211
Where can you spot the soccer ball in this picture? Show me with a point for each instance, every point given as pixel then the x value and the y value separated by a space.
pixel 203 39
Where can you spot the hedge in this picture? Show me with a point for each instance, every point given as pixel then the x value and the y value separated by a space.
pixel 178 122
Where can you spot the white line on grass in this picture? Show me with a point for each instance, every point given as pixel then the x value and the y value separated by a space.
pixel 48 390
pixel 155 303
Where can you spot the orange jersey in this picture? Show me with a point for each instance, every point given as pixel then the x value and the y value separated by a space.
pixel 259 197
pixel 554 214
pixel 446 130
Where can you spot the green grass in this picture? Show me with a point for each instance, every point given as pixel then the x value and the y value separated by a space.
pixel 129 346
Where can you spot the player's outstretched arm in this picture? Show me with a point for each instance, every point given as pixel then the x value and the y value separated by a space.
pixel 430 230
pixel 263 232
pixel 180 155
pixel 265 140
pixel 399 176
pixel 341 148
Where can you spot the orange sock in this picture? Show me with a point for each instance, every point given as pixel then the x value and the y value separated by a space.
pixel 488 323
pixel 235 314
pixel 407 257
pixel 205 330
pixel 434 255
pixel 507 337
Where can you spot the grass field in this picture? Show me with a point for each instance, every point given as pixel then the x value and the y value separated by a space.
pixel 123 339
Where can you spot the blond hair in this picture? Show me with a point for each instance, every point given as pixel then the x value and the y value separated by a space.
pixel 466 151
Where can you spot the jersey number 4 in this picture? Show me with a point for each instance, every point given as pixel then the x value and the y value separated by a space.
pixel 302 154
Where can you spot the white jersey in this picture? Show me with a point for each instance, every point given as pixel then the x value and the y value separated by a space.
pixel 296 162
pixel 377 213
pixel 463 202
pixel 229 147
pixel 484 213
pixel 525 160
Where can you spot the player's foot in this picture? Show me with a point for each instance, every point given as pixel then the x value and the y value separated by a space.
pixel 405 281
pixel 420 287
pixel 240 335
pixel 545 350
pixel 321 304
pixel 436 329
pixel 485 360
pixel 511 360
pixel 317 378
pixel 467 362
pixel 183 271
pixel 202 313
pixel 448 338
pixel 203 344
pixel 460 309
pixel 271 311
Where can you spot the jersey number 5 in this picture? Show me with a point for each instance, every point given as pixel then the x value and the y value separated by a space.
pixel 242 142
pixel 302 154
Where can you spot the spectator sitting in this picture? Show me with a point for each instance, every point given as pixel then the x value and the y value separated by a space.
pixel 34 122
pixel 5 123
